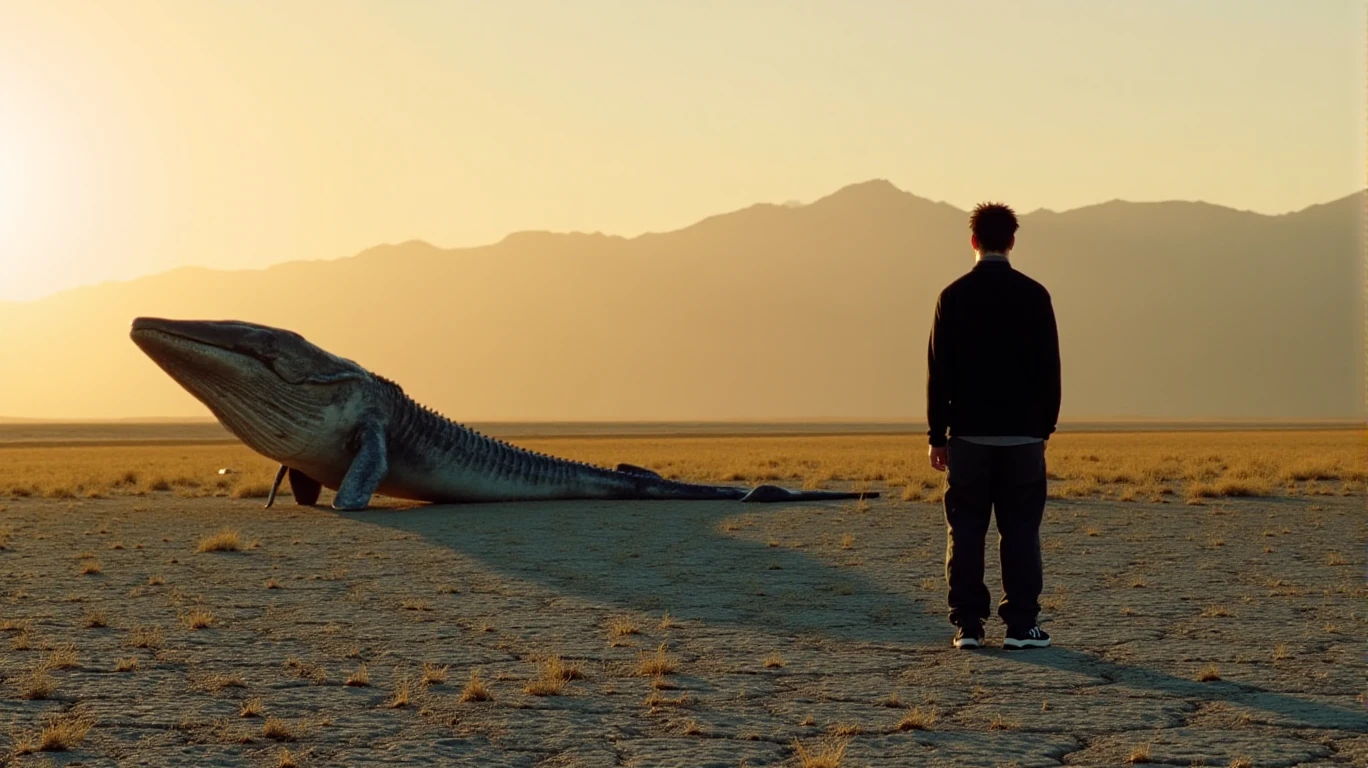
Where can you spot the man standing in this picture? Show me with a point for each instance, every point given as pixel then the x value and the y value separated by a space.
pixel 993 383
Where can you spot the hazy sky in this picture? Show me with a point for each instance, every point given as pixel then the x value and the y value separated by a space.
pixel 137 136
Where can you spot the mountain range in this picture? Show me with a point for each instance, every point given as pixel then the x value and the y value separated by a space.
pixel 1169 310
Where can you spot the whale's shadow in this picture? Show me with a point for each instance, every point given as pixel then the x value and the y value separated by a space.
pixel 679 557
pixel 670 556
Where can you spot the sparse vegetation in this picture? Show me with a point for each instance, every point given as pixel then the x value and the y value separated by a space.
pixel 358 679
pixel 657 663
pixel 62 731
pixel 126 664
pixel 151 638
pixel 774 661
pixel 276 729
pixel 61 657
pixel 252 491
pixel 1208 673
pixel 402 694
pixel 1001 723
pixel 1082 465
pixel 1139 754
pixel 434 674
pixel 917 719
pixel 250 708
pixel 226 540
pixel 36 684
pixel 197 618
pixel 620 628
pixel 475 689
pixel 827 755
pixel 91 567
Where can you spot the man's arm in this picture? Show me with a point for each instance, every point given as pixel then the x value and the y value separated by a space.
pixel 938 376
pixel 1050 369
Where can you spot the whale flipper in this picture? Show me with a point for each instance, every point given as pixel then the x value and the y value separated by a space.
pixel 275 486
pixel 368 468
pixel 304 488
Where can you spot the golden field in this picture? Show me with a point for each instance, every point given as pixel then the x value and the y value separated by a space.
pixel 1130 466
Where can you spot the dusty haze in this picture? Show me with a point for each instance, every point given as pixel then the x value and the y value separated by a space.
pixel 1166 310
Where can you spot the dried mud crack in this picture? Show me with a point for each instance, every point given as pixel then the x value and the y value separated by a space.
pixel 683 635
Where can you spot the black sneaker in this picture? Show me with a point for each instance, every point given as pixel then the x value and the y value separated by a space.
pixel 1035 637
pixel 969 637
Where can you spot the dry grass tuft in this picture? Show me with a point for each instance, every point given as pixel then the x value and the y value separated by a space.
pixel 402 694
pixel 665 621
pixel 619 628
pixel 276 729
pixel 552 675
pixel 1242 762
pixel 828 755
pixel 1208 673
pixel 358 679
pixel 434 674
pixel 151 638
pixel 272 584
pixel 774 661
pixel 1139 755
pixel 475 689
pixel 250 708
pixel 95 619
pixel 226 540
pixel 126 664
pixel 155 580
pixel 197 618
pixel 1281 652
pixel 36 684
pixel 62 731
pixel 655 664
pixel 1216 612
pixel 91 567
pixel 252 491
pixel 414 604
pixel 217 681
pixel 61 657
pixel 285 760
pixel 918 720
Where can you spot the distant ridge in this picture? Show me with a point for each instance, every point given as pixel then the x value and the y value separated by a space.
pixel 1168 310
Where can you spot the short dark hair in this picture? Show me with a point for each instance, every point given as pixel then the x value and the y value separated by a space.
pixel 995 226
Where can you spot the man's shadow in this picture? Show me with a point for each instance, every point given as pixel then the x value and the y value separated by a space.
pixel 696 561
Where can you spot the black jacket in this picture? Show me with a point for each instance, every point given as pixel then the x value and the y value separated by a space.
pixel 993 357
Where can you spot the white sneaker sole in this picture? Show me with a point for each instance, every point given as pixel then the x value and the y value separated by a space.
pixel 1016 645
pixel 968 643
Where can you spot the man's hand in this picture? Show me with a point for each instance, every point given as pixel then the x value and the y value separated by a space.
pixel 940 457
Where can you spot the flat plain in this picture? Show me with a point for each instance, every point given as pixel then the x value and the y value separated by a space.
pixel 1205 590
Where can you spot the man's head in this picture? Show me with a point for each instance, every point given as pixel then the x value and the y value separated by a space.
pixel 994 227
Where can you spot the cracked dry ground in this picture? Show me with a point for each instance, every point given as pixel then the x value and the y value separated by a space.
pixel 807 623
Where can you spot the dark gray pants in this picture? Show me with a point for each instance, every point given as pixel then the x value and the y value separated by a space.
pixel 1007 483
